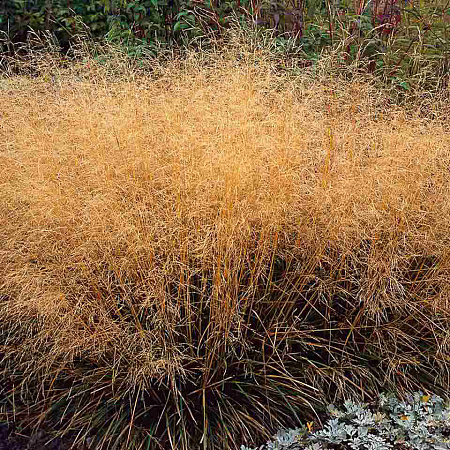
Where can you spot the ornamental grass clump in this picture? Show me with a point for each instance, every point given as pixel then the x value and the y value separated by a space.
pixel 199 256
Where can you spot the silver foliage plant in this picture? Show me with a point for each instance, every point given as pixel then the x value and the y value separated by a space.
pixel 420 423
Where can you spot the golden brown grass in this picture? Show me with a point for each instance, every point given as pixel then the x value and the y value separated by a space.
pixel 218 249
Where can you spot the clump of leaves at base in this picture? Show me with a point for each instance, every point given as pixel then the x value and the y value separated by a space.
pixel 422 422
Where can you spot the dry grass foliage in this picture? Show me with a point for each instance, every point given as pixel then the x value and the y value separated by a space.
pixel 195 258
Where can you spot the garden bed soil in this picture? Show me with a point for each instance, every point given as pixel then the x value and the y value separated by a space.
pixel 41 440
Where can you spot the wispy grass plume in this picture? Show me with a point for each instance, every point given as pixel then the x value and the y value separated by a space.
pixel 195 259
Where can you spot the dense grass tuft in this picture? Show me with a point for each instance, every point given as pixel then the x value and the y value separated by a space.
pixel 196 257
